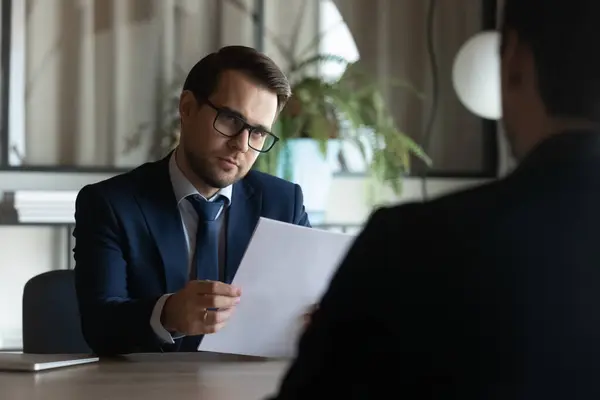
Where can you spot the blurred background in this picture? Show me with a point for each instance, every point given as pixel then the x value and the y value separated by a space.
pixel 89 89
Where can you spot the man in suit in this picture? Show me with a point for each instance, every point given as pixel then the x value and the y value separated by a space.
pixel 492 292
pixel 157 247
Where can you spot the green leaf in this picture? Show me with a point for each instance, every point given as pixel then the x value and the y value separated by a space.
pixel 317 59
pixel 352 108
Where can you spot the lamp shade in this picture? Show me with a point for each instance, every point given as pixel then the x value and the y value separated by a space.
pixel 476 75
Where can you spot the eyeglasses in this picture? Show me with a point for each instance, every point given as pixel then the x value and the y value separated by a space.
pixel 229 124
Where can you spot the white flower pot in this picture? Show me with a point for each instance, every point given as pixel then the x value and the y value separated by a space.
pixel 356 161
pixel 312 171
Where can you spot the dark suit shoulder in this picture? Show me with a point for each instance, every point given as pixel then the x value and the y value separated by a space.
pixel 472 203
pixel 265 182
pixel 125 182
pixel 442 216
pixel 388 216
pixel 469 195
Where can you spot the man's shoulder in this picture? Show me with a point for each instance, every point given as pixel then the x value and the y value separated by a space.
pixel 463 205
pixel 268 183
pixel 125 182
pixel 481 195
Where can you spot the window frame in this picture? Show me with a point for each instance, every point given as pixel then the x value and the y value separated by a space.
pixel 13 16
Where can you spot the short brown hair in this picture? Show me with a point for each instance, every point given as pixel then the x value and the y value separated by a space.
pixel 204 76
pixel 562 36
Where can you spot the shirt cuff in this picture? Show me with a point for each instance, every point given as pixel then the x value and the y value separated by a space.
pixel 157 326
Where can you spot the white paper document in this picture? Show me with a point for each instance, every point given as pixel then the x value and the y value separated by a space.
pixel 285 270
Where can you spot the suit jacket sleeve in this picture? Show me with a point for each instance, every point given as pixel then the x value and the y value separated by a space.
pixel 112 323
pixel 300 215
pixel 353 337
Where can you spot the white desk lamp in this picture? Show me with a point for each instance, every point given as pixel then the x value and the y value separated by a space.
pixel 476 75
pixel 476 78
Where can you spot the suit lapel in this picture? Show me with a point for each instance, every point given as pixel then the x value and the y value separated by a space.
pixel 159 206
pixel 244 213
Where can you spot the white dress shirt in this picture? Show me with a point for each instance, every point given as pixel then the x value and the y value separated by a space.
pixel 183 188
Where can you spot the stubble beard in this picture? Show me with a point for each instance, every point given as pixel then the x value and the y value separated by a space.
pixel 207 173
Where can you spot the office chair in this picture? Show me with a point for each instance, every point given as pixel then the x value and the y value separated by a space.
pixel 51 323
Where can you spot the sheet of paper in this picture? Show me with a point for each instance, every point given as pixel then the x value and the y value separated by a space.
pixel 285 270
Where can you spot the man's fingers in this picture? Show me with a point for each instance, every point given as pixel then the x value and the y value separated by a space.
pixel 217 317
pixel 214 321
pixel 215 301
pixel 213 328
pixel 218 297
pixel 216 288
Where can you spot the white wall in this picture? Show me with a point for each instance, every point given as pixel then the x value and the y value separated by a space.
pixel 26 251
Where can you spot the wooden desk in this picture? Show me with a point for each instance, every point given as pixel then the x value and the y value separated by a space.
pixel 178 376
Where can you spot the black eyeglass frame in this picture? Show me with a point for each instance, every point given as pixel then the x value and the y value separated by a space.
pixel 245 125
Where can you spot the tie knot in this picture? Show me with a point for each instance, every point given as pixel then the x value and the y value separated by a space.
pixel 207 210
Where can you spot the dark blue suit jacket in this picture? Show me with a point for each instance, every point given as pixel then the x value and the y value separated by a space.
pixel 130 248
pixel 488 293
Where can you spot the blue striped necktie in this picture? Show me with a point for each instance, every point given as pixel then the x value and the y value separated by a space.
pixel 206 254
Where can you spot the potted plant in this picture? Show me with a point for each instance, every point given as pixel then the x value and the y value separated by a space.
pixel 325 123
pixel 329 122
pixel 335 117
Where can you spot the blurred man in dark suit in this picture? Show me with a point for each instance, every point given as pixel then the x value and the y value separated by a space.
pixel 493 292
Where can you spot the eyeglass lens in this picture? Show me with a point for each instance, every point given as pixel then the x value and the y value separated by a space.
pixel 231 125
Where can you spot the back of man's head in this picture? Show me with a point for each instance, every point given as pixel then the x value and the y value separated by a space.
pixel 562 36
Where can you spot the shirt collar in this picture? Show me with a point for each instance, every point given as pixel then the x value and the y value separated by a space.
pixel 183 188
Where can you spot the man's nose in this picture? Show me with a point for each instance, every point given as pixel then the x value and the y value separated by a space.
pixel 240 142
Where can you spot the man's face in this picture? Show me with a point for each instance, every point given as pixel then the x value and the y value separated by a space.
pixel 522 107
pixel 217 160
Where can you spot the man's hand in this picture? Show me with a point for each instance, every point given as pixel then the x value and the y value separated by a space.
pixel 200 307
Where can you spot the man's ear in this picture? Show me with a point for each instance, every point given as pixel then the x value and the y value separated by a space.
pixel 187 103
pixel 513 58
